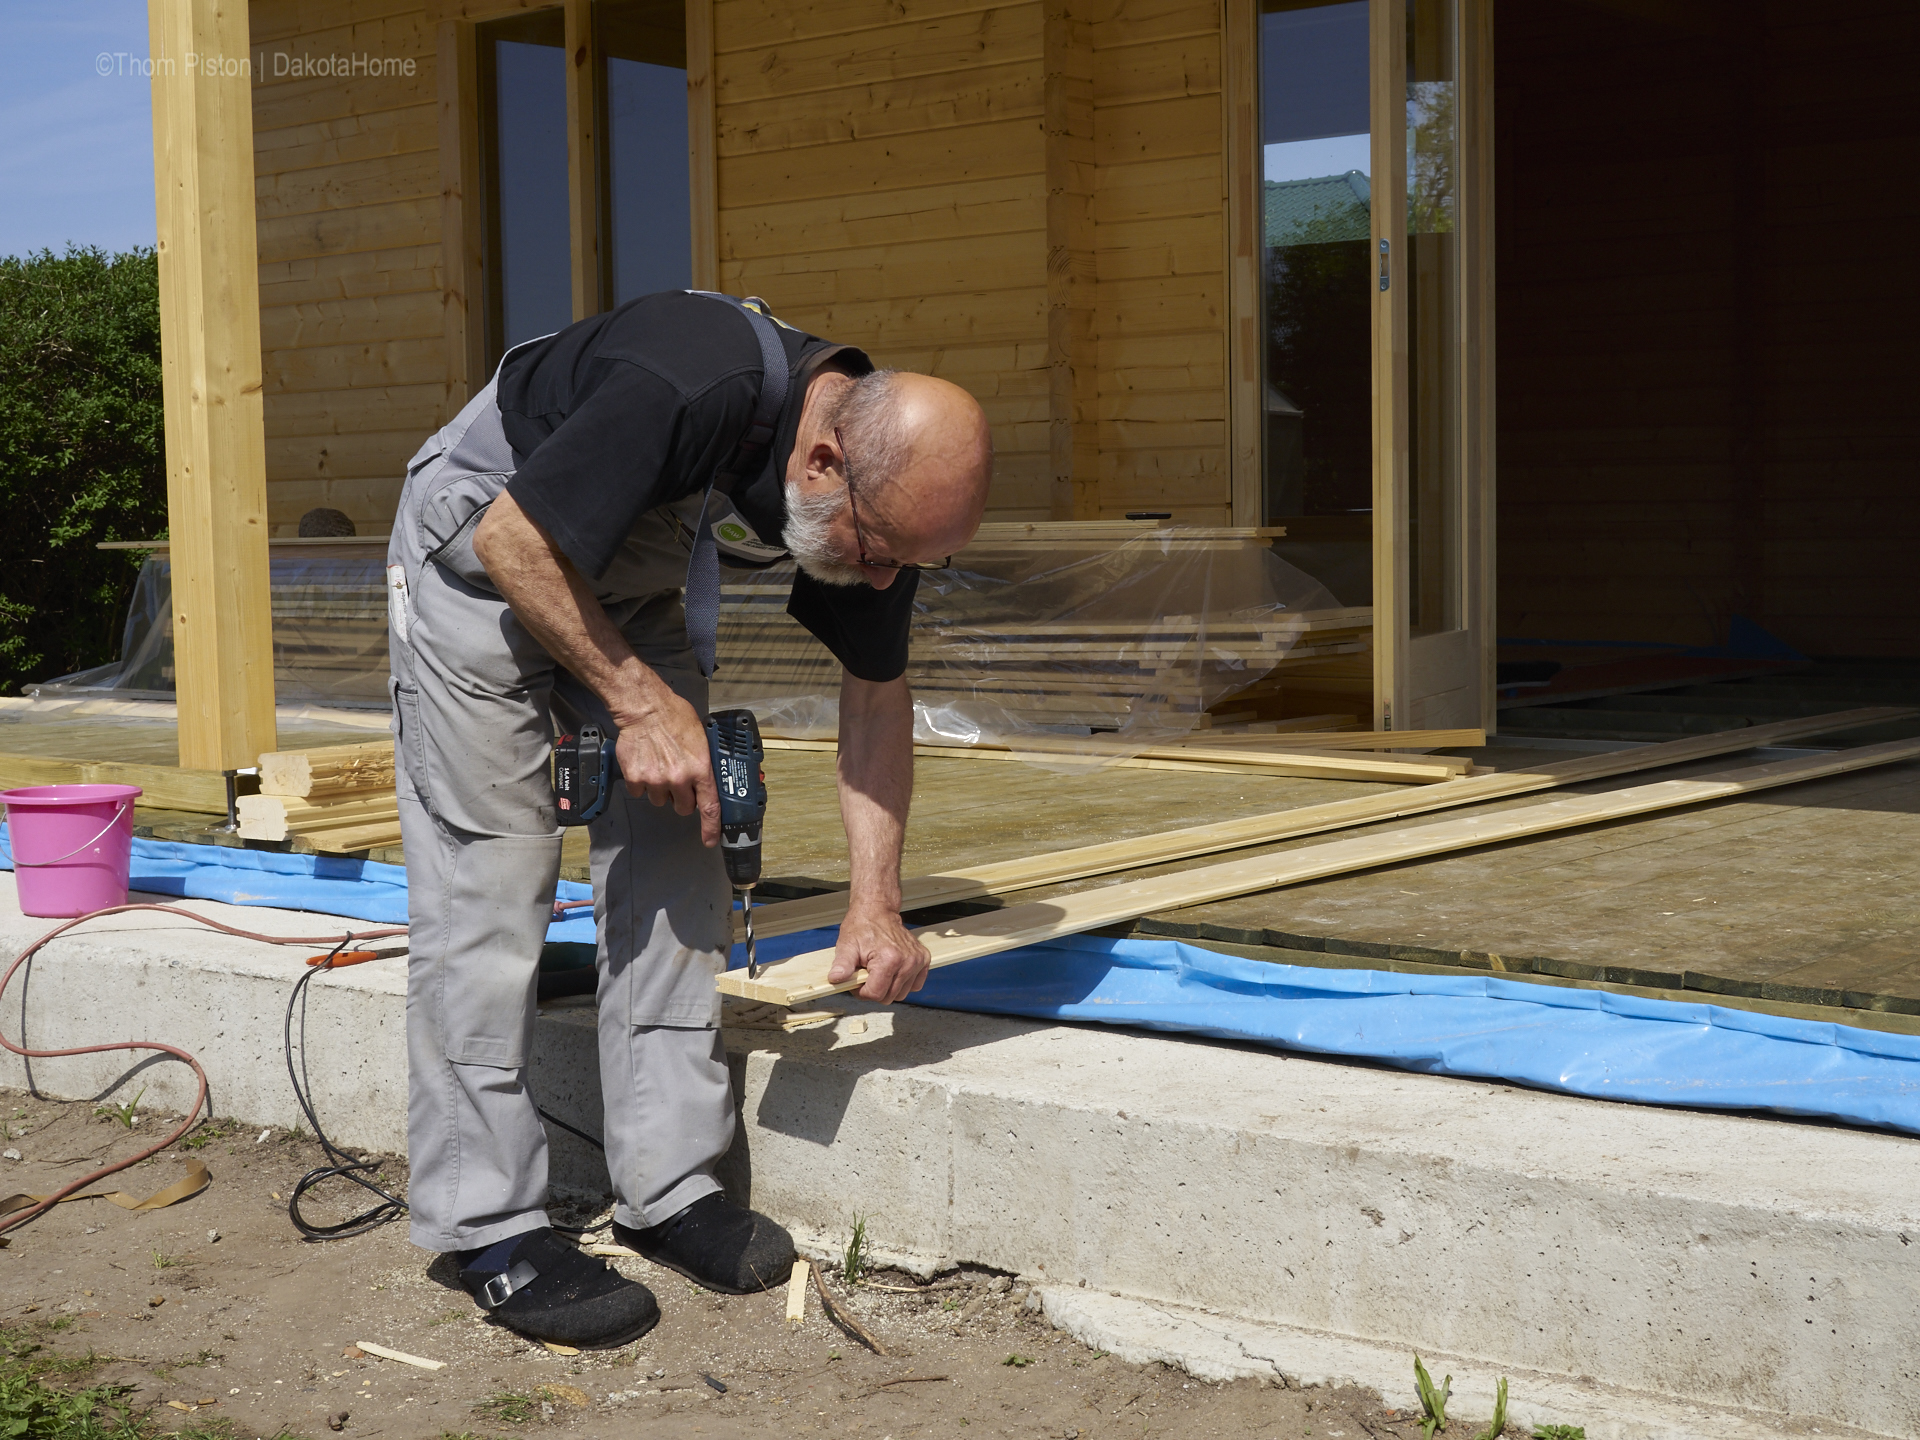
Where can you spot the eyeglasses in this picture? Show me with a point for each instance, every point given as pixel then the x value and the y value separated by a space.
pixel 860 539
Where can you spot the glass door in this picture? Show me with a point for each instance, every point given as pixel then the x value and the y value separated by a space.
pixel 1364 406
pixel 1432 366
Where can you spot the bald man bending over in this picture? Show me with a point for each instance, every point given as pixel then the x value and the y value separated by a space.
pixel 535 580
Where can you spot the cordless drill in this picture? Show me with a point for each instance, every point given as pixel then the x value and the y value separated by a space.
pixel 584 772
pixel 733 738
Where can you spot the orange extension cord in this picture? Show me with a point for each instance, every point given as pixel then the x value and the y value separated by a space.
pixel 336 942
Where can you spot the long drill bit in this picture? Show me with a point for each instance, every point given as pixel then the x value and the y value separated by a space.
pixel 746 907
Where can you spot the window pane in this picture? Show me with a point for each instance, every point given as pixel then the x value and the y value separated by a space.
pixel 1433 322
pixel 1316 222
pixel 524 135
pixel 648 243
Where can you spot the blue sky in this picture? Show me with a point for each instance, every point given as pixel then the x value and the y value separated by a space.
pixel 76 146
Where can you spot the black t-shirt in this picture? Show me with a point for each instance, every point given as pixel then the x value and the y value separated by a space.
pixel 637 408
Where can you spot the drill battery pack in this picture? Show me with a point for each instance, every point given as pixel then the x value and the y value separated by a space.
pixel 582 774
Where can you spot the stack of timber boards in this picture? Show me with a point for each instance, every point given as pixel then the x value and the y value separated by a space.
pixel 62 744
pixel 1070 624
pixel 1099 675
pixel 340 799
pixel 804 977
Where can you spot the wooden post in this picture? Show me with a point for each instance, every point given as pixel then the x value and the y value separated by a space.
pixel 583 160
pixel 1246 253
pixel 1073 386
pixel 462 225
pixel 703 146
pixel 211 369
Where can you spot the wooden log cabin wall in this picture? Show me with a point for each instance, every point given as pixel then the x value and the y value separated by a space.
pixel 353 292
pixel 1024 197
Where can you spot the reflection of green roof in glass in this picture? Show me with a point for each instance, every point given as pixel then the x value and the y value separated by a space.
pixel 1318 212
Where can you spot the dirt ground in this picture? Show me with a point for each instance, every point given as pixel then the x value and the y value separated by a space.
pixel 230 1326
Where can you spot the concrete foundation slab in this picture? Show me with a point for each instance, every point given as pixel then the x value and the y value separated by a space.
pixel 1712 1261
pixel 1220 1348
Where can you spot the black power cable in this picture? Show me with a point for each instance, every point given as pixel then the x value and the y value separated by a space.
pixel 344 1166
pixel 598 1145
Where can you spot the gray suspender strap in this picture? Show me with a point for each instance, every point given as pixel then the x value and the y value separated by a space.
pixel 703 566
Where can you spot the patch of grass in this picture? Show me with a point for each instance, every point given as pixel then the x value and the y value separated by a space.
pixel 122 1113
pixel 208 1133
pixel 1559 1432
pixel 853 1263
pixel 29 1357
pixel 32 1410
pixel 510 1407
pixel 447 1317
pixel 64 1322
pixel 1433 1401
pixel 164 1262
pixel 1019 1362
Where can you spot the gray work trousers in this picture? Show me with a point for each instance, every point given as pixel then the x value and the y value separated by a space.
pixel 475 700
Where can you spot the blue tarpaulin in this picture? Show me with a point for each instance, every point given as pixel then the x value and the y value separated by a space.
pixel 329 884
pixel 1579 1042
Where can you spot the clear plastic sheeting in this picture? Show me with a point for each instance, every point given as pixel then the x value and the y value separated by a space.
pixel 1042 630
pixel 1130 635
pixel 329 631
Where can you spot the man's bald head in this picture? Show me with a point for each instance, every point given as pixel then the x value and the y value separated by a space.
pixel 927 440
pixel 915 454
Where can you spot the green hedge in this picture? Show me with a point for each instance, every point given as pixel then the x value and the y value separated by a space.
pixel 81 453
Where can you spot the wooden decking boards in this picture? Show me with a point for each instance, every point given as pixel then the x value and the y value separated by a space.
pixel 804 977
pixel 790 917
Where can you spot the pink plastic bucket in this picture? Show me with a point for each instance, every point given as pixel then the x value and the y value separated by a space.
pixel 72 846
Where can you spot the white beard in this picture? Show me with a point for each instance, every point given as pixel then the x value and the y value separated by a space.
pixel 808 538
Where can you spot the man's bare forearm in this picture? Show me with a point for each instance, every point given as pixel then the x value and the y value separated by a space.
pixel 876 787
pixel 662 748
pixel 553 600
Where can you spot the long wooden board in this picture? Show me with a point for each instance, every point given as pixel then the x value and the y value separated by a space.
pixel 1463 739
pixel 791 916
pixel 804 977
pixel 1292 764
pixel 163 787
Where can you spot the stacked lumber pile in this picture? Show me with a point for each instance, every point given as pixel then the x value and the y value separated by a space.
pixel 330 624
pixel 1101 675
pixel 1096 625
pixel 339 799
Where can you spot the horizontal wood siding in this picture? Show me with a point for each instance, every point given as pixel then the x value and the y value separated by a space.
pixel 1705 340
pixel 882 179
pixel 1159 260
pixel 881 182
pixel 352 290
